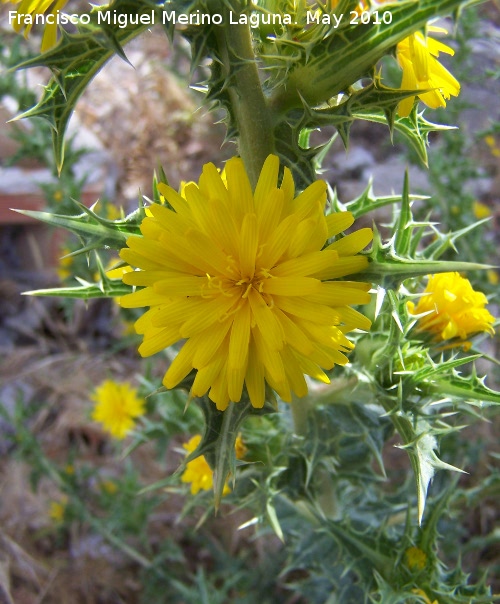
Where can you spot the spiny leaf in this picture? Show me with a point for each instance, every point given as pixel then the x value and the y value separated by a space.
pixel 97 232
pixel 357 544
pixel 340 56
pixel 217 444
pixel 403 234
pixel 375 104
pixel 387 593
pixel 104 289
pixel 430 370
pixel 418 441
pixel 367 202
pixel 389 271
pixel 426 462
pixel 76 60
pixel 470 389
pixel 446 241
pixel 415 129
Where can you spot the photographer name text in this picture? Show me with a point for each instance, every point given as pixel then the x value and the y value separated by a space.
pixel 255 19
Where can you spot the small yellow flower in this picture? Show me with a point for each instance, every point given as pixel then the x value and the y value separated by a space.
pixel 416 559
pixel 65 262
pixel 491 142
pixel 199 473
pixel 492 276
pixel 239 448
pixel 58 195
pixel 480 210
pixel 26 15
pixel 454 309
pixel 112 212
pixel 109 487
pixel 422 594
pixel 245 278
pixel 416 56
pixel 117 407
pixel 57 509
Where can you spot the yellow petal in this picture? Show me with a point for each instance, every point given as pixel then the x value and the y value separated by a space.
pixel 254 378
pixel 240 338
pixel 238 185
pixel 267 182
pixel 181 365
pixel 353 243
pixel 338 222
pixel 248 246
pixel 342 267
pixel 332 295
pixel 266 321
pixel 307 264
pixel 308 200
pixel 291 286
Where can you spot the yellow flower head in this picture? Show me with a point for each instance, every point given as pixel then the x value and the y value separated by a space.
pixel 112 212
pixel 199 473
pixel 57 509
pixel 491 142
pixel 492 276
pixel 416 56
pixel 480 210
pixel 244 276
pixel 26 15
pixel 454 309
pixel 109 487
pixel 416 559
pixel 117 407
pixel 65 263
pixel 240 448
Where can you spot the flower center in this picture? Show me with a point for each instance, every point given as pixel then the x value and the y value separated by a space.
pixel 256 282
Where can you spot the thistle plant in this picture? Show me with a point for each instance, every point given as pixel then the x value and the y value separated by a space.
pixel 251 277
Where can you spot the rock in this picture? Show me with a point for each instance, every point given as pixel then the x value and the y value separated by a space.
pixel 353 163
pixel 351 174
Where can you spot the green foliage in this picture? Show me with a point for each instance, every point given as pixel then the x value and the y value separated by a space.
pixel 95 231
pixel 76 60
pixel 217 445
pixel 325 61
pixel 325 65
pixel 402 256
pixel 316 475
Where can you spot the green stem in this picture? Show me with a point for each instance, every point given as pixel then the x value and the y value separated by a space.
pixel 327 495
pixel 300 408
pixel 248 104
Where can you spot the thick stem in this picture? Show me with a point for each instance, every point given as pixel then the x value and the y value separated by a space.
pixel 248 104
pixel 300 408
